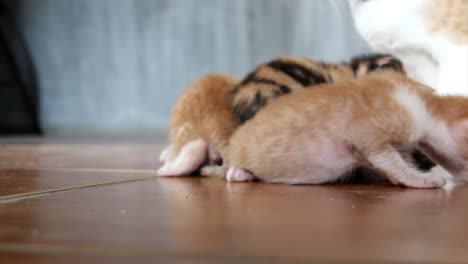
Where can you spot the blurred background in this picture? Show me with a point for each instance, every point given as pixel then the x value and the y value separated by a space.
pixel 117 66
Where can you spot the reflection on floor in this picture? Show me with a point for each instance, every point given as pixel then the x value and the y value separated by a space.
pixel 101 202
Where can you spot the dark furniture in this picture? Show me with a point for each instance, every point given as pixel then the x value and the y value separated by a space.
pixel 18 89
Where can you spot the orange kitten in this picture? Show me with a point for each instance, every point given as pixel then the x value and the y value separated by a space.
pixel 316 136
pixel 201 125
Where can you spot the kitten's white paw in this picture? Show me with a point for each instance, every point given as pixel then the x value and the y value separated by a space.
pixel 424 180
pixel 165 153
pixel 450 181
pixel 449 185
pixel 190 158
pixel 238 175
pixel 437 177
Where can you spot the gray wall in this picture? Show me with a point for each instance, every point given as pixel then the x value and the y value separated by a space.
pixel 117 65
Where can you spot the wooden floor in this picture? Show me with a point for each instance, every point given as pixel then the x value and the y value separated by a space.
pixel 79 202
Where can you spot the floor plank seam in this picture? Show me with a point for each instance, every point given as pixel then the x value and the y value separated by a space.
pixel 24 196
pixel 136 171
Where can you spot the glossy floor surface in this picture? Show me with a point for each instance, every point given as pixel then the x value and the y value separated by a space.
pixel 81 202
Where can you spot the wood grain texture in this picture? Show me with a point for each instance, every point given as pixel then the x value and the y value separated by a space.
pixel 81 157
pixel 208 217
pixel 20 184
pixel 120 64
pixel 208 220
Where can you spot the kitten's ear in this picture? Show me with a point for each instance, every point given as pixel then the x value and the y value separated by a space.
pixel 459 130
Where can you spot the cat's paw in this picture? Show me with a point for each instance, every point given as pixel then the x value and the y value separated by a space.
pixel 424 181
pixel 450 181
pixel 188 160
pixel 235 174
pixel 165 153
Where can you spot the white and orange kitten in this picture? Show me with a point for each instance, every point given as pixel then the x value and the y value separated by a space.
pixel 429 36
pixel 316 136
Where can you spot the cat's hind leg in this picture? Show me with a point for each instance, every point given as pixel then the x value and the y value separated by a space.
pixel 425 165
pixel 389 161
pixel 191 156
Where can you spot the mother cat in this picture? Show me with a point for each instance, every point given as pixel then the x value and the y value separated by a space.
pixel 429 36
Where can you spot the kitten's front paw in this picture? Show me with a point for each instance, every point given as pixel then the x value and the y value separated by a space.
pixel 189 159
pixel 165 153
pixel 239 175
